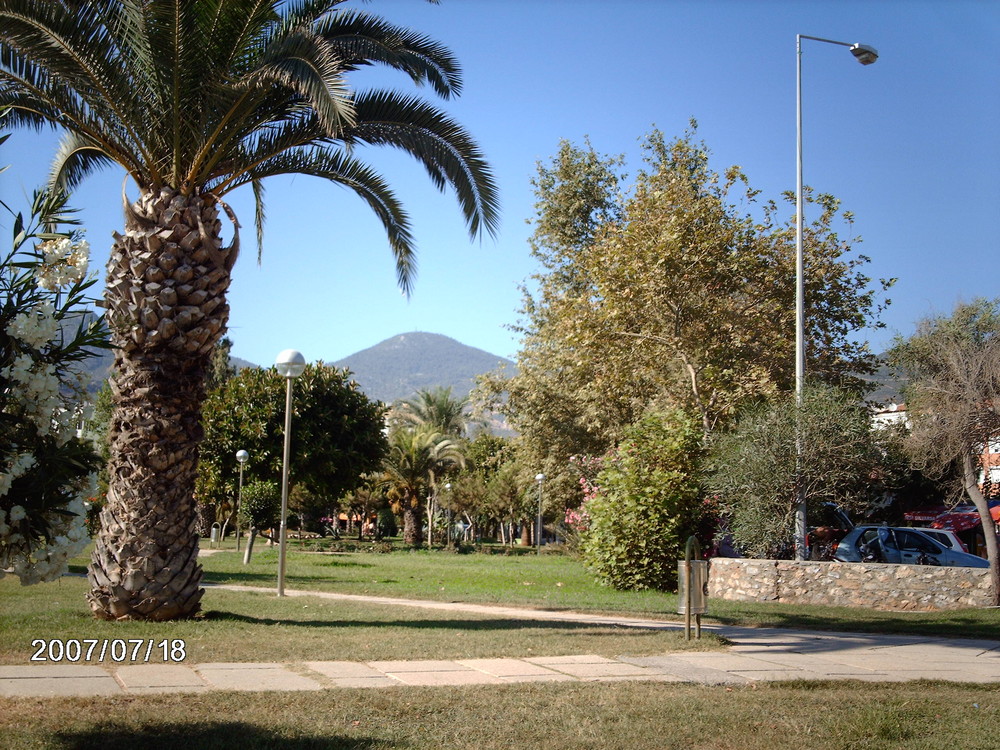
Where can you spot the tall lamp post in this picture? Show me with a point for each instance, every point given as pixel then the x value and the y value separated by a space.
pixel 540 478
pixel 289 364
pixel 242 457
pixel 866 56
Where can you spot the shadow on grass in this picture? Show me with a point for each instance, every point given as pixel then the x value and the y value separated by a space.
pixel 447 624
pixel 115 736
pixel 238 577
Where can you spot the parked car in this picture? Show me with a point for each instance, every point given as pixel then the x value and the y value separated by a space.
pixel 945 537
pixel 891 544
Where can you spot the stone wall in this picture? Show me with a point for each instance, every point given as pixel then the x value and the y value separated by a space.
pixel 874 585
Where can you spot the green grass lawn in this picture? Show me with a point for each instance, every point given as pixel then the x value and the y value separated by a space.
pixel 257 626
pixel 251 627
pixel 554 716
pixel 557 582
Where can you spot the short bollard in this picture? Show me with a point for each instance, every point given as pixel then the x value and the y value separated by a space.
pixel 692 578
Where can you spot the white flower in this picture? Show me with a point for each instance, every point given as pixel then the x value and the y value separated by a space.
pixel 17 513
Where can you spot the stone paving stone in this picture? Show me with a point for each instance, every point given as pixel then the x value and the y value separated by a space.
pixel 255 677
pixel 159 678
pixel 43 680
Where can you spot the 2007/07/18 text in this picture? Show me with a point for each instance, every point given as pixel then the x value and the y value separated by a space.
pixel 117 650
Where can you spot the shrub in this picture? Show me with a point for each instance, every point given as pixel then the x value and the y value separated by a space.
pixel 645 505
pixel 46 471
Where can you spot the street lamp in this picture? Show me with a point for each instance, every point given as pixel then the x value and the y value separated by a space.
pixel 242 457
pixel 538 536
pixel 865 55
pixel 451 517
pixel 289 364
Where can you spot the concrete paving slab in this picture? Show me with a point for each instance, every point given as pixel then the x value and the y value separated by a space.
pixel 420 665
pixel 507 667
pixel 159 678
pixel 557 661
pixel 821 665
pixel 255 677
pixel 670 665
pixel 440 678
pixel 591 667
pixel 725 662
pixel 350 674
pixel 52 670
pixel 343 669
pixel 51 680
pixel 550 677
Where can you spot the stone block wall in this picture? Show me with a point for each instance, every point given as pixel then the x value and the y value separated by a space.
pixel 874 585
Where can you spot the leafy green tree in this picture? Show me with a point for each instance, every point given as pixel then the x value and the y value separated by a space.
pixel 678 294
pixel 46 471
pixel 260 508
pixel 336 433
pixel 952 396
pixel 646 503
pixel 551 401
pixel 194 99
pixel 828 450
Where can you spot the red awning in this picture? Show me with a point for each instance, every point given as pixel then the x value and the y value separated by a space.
pixel 963 521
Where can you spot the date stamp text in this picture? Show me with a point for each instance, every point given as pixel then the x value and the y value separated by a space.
pixel 116 650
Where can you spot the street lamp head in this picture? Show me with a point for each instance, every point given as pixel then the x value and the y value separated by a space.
pixel 290 363
pixel 242 456
pixel 539 478
pixel 866 55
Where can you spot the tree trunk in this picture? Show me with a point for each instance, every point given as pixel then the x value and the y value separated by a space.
pixel 165 296
pixel 249 550
pixel 413 535
pixel 971 482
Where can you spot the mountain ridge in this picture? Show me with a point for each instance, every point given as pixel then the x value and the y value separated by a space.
pixel 401 365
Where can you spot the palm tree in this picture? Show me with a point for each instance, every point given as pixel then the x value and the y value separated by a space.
pixel 417 459
pixel 435 408
pixel 195 98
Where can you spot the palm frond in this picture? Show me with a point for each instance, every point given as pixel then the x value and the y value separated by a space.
pixel 339 168
pixel 76 158
pixel 363 39
pixel 445 149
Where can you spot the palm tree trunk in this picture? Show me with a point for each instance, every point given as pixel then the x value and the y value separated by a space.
pixel 412 522
pixel 165 295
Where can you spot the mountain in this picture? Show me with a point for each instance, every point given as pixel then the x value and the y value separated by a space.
pixel 400 366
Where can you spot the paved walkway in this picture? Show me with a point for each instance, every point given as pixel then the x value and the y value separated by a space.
pixel 758 654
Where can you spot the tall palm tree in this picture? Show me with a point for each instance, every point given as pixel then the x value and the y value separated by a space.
pixel 416 460
pixel 195 98
pixel 436 408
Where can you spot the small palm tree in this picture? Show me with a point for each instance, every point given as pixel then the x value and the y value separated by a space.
pixel 416 461
pixel 193 99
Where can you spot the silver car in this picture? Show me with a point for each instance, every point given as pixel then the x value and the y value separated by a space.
pixel 893 544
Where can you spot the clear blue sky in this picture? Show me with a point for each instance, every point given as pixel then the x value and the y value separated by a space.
pixel 910 144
